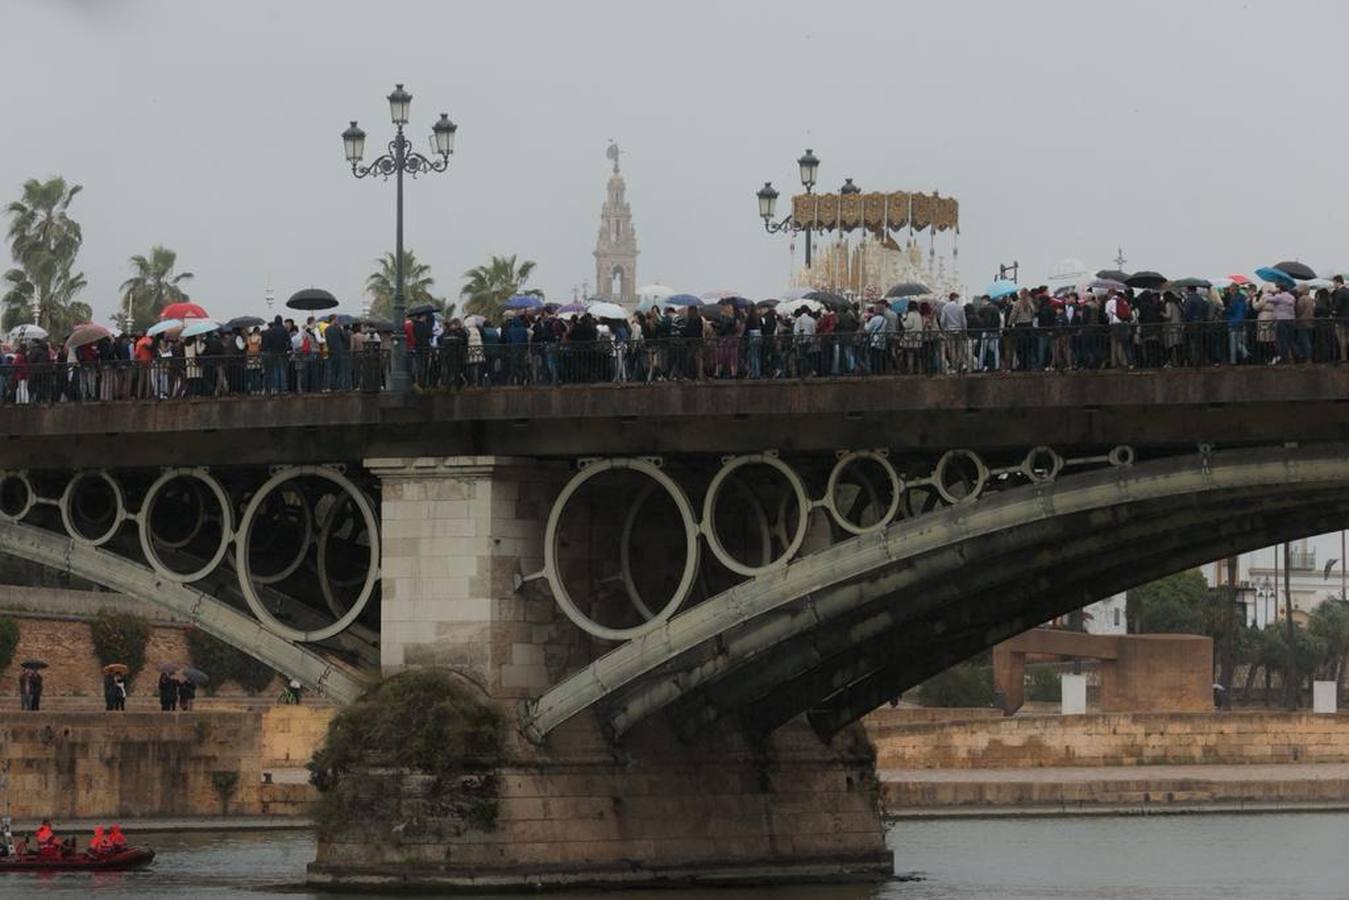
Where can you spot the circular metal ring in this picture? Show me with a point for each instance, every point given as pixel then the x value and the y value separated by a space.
pixel 896 491
pixel 148 539
pixel 30 495
pixel 1040 474
pixel 270 622
pixel 1121 455
pixel 119 511
pixel 939 474
pixel 625 552
pixel 288 570
pixel 554 578
pixel 197 525
pixel 709 524
pixel 321 564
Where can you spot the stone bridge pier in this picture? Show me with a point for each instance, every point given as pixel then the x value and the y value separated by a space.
pixel 465 587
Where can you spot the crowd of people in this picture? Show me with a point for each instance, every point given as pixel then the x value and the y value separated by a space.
pixel 1031 329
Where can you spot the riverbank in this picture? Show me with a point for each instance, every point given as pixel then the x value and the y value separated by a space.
pixel 1114 790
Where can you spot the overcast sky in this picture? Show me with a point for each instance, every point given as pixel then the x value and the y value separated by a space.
pixel 1202 137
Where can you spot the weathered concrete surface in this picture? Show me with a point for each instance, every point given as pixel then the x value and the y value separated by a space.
pixel 909 792
pixel 657 813
pixel 1139 672
pixel 1124 739
pixel 1172 407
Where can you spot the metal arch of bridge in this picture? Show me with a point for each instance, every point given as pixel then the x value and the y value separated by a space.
pixel 214 617
pixel 1197 507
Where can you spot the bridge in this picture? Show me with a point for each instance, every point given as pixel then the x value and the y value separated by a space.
pixel 658 578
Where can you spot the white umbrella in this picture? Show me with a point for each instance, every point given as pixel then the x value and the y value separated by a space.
pixel 604 310
pixel 27 332
pixel 200 326
pixel 163 326
pixel 791 307
pixel 655 291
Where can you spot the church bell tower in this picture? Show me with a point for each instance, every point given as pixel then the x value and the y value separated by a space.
pixel 616 249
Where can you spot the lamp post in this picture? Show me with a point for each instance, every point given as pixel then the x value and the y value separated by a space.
pixel 809 166
pixel 400 158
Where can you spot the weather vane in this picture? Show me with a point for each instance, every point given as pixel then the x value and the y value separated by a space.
pixel 613 153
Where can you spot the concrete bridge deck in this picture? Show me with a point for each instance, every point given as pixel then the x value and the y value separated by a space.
pixel 1170 407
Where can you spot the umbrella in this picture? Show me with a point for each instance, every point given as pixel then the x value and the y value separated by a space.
pixel 734 300
pixel 1191 282
pixel 115 669
pixel 169 668
pixel 1275 276
pixel 767 301
pixel 421 309
pixel 182 310
pixel 195 327
pixel 1146 279
pixel 28 332
pixel 196 676
pixel 33 664
pixel 311 298
pixel 1300 271
pixel 473 321
pixel 682 300
pixel 908 289
pixel 792 307
pixel 794 293
pixel 1238 279
pixel 244 322
pixel 718 296
pixel 1107 284
pixel 523 301
pixel 607 311
pixel 1113 275
pixel 164 326
pixel 655 291
pixel 833 301
pixel 87 333
pixel 571 308
pixel 378 324
pixel 711 311
pixel 1001 288
pixel 901 304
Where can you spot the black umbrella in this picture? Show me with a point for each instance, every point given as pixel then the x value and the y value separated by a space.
pixel 378 324
pixel 33 664
pixel 343 319
pixel 312 298
pixel 908 289
pixel 421 309
pixel 1191 282
pixel 196 676
pixel 169 668
pixel 833 301
pixel 1300 271
pixel 711 311
pixel 244 322
pixel 1146 280
pixel 1113 275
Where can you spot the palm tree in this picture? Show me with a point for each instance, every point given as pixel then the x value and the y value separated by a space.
pixel 417 282
pixel 44 240
pixel 488 287
pixel 153 286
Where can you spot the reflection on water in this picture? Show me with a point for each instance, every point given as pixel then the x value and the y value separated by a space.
pixel 1126 857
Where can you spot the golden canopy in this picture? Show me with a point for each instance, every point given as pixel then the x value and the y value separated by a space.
pixel 876 212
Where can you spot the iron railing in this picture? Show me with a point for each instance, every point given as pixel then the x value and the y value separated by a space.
pixel 456 365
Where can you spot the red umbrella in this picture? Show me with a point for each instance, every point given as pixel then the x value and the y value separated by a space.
pixel 87 333
pixel 1238 279
pixel 183 311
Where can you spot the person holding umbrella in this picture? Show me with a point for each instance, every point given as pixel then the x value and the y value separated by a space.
pixel 30 684
pixel 168 688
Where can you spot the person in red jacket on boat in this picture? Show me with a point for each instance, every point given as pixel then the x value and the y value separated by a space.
pixel 99 843
pixel 47 842
pixel 116 838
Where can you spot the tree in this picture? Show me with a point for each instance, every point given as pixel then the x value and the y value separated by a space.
pixel 1329 623
pixel 153 286
pixel 417 283
pixel 1178 604
pixel 487 288
pixel 44 241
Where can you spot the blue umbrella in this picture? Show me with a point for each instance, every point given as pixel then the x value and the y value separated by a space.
pixel 1001 288
pixel 682 300
pixel 200 326
pixel 164 325
pixel 523 301
pixel 1276 276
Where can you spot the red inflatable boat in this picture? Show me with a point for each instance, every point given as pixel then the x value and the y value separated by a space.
pixel 126 858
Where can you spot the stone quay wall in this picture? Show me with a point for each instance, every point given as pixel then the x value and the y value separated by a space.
pixel 1123 739
pixel 153 764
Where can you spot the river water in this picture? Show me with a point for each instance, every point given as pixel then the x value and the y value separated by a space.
pixel 1195 856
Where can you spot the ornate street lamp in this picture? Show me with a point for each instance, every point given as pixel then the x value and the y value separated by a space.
pixel 809 164
pixel 400 158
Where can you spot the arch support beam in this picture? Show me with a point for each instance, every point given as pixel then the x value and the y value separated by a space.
pixel 205 612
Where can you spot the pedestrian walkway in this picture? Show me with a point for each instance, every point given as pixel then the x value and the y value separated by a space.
pixel 1056 790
